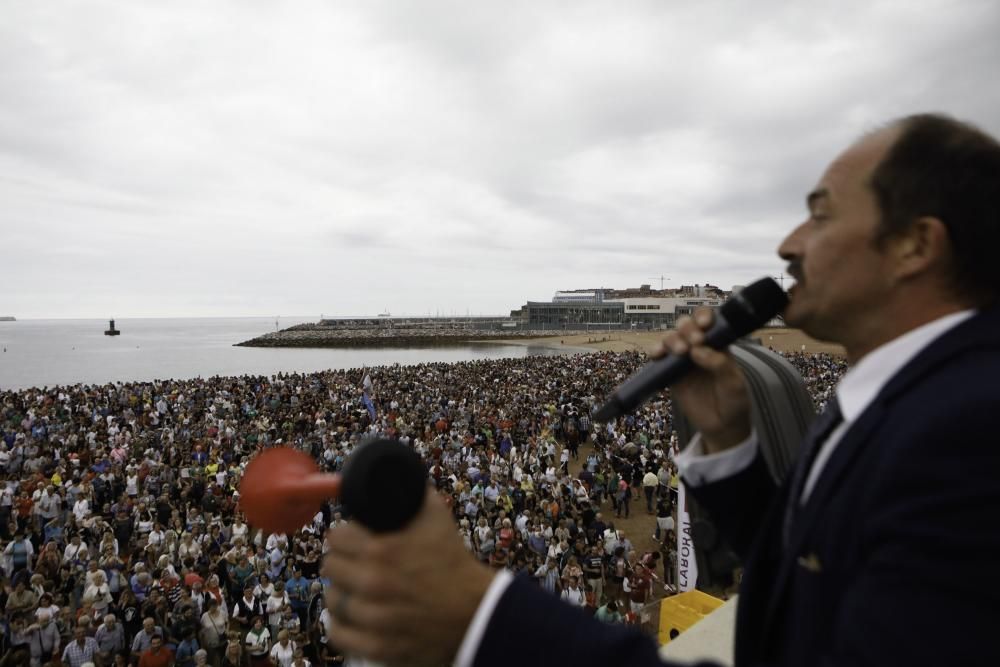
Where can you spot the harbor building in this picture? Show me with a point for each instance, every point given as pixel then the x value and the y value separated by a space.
pixel 631 308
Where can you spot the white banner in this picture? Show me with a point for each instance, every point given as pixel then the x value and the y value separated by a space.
pixel 687 564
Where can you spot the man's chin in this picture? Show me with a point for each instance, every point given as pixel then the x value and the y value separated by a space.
pixel 798 318
pixel 793 315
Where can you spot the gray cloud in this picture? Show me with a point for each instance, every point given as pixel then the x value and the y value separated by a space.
pixel 256 158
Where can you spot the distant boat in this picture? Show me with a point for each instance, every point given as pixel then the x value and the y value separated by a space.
pixel 112 331
pixel 385 314
pixel 7 318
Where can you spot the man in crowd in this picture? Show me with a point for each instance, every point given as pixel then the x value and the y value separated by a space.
pixel 144 638
pixel 157 655
pixel 650 482
pixel 45 639
pixel 81 650
pixel 110 638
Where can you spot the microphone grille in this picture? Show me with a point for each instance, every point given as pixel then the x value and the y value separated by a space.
pixel 757 303
pixel 383 485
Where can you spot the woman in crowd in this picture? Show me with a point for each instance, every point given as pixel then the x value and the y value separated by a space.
pixel 283 650
pixel 214 629
pixel 258 643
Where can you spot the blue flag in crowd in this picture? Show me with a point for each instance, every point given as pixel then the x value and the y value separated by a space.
pixel 367 402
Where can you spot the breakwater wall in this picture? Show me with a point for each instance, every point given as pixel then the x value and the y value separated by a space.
pixel 318 335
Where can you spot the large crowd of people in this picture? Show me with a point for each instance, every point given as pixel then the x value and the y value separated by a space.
pixel 123 540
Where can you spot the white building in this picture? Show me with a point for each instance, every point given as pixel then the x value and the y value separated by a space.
pixel 662 312
pixel 576 297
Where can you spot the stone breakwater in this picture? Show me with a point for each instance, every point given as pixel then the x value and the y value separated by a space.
pixel 313 335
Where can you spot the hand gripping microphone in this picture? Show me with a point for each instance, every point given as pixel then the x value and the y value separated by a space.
pixel 382 485
pixel 745 311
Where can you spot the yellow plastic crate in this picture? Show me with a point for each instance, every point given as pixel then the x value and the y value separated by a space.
pixel 680 612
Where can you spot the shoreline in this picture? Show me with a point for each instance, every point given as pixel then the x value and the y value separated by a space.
pixel 783 339
pixel 780 339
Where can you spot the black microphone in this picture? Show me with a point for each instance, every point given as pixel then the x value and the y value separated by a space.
pixel 745 311
pixel 383 485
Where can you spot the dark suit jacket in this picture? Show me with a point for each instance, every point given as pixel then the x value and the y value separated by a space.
pixel 531 626
pixel 891 562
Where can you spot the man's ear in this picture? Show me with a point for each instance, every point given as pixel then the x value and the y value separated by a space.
pixel 923 247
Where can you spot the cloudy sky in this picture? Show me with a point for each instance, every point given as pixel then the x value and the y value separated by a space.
pixel 257 158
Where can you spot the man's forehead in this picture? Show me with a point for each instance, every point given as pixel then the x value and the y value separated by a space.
pixel 853 167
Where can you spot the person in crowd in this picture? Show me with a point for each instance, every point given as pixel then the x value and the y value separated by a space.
pixel 283 651
pixel 19 552
pixel 144 638
pixel 157 655
pixel 234 654
pixel 187 647
pixel 572 593
pixel 258 643
pixel 44 639
pixel 246 609
pixel 214 630
pixel 22 599
pixel 81 650
pixel 650 483
pixel 110 638
pixel 609 613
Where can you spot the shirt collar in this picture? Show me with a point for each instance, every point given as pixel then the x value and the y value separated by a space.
pixel 862 383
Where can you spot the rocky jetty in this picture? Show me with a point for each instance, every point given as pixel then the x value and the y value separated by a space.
pixel 322 335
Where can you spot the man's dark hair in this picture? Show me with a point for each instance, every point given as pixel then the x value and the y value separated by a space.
pixel 943 168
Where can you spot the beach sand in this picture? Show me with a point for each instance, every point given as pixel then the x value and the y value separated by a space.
pixel 783 340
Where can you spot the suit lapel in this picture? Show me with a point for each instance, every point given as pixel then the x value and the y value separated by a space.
pixel 839 463
pixel 837 466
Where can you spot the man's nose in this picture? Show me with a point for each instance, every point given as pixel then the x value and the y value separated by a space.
pixel 791 246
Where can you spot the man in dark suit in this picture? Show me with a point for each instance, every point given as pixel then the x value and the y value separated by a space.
pixel 878 548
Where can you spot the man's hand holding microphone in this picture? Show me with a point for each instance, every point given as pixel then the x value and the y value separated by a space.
pixel 714 395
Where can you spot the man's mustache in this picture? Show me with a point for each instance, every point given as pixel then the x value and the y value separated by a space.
pixel 794 269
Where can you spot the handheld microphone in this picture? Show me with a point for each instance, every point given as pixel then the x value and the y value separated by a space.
pixel 382 485
pixel 739 315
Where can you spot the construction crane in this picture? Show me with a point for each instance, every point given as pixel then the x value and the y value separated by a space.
pixel 661 279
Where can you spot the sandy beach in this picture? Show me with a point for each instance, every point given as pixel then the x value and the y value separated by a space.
pixel 782 340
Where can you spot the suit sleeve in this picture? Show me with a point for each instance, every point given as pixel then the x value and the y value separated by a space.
pixel 532 627
pixel 738 504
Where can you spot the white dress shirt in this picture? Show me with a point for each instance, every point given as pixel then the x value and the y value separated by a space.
pixel 856 391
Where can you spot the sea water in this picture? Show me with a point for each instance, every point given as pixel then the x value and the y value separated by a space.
pixel 38 353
